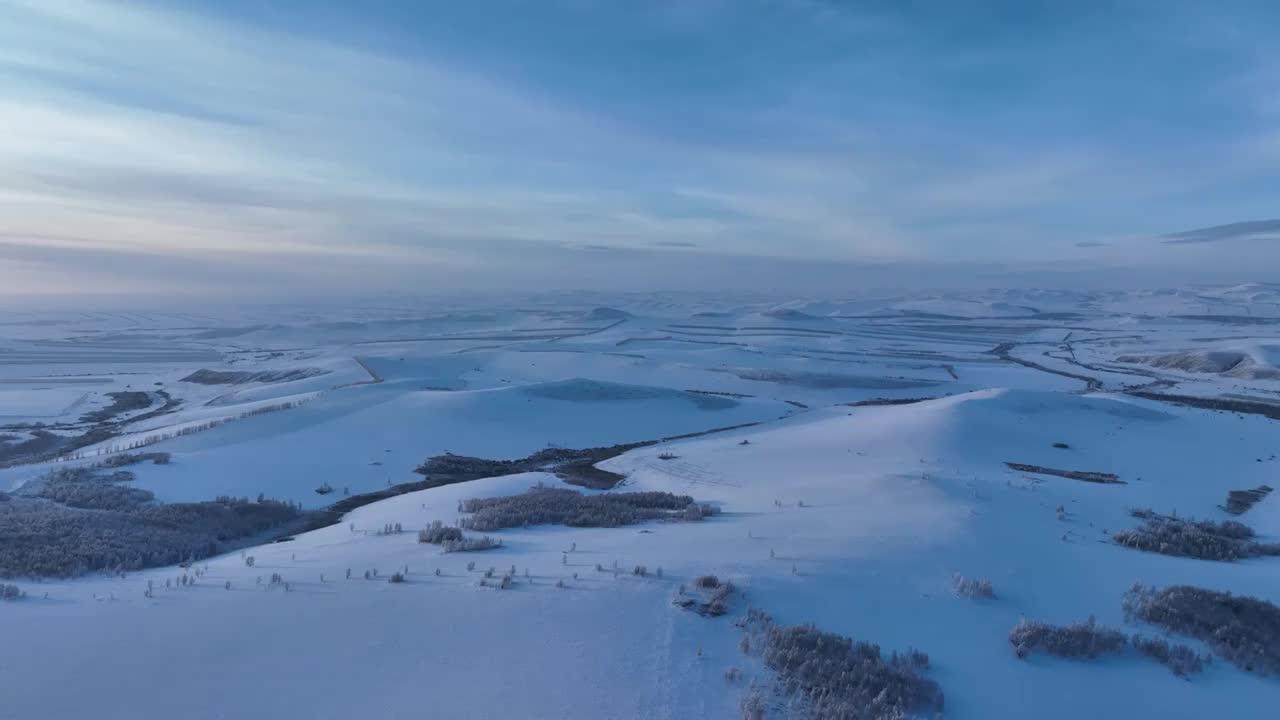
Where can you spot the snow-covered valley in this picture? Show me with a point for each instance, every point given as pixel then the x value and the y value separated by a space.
pixel 858 455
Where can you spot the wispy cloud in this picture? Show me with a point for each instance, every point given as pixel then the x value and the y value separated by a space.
pixel 153 130
pixel 1251 230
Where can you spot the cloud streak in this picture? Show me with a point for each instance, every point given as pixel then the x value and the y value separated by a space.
pixel 158 130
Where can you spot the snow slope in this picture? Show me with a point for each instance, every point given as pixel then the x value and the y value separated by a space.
pixel 895 500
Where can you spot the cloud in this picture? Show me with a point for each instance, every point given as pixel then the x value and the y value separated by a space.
pixel 1251 230
pixel 153 130
pixel 1092 244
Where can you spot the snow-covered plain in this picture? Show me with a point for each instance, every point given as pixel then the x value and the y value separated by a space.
pixel 851 517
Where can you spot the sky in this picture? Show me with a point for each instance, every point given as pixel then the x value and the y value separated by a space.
pixel 267 148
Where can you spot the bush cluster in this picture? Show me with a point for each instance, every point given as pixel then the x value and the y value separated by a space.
pixel 437 533
pixel 1079 640
pixel 842 679
pixel 972 587
pixel 471 544
pixel 1243 630
pixel 1201 539
pixel 1088 640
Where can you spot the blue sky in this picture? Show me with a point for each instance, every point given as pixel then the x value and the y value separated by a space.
pixel 231 146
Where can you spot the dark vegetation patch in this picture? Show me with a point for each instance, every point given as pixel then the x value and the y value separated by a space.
pixel 121 402
pixel 1243 630
pixel 720 393
pixel 44 444
pixel 873 402
pixel 838 678
pixel 90 490
pixel 1201 539
pixel 73 522
pixel 562 506
pixel 1088 640
pixel 205 376
pixel 1093 477
pixel 437 533
pixel 576 467
pixel 134 458
pixel 712 598
pixel 1240 502
pixel 1246 407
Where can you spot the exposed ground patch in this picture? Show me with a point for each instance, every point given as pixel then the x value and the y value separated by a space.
pixel 1103 478
pixel 1240 502
pixel 205 376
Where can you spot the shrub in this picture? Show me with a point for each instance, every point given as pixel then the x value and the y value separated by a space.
pixel 716 601
pixel 10 592
pixel 1200 539
pixel 470 544
pixel 1080 640
pixel 396 577
pixel 972 587
pixel 1088 640
pixel 1180 659
pixel 1243 630
pixel 562 506
pixel 847 680
pixel 438 534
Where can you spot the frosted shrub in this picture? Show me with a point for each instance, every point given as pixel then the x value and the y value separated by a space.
pixel 396 577
pixel 972 587
pixel 1243 630
pixel 1180 659
pixel 438 534
pixel 471 544
pixel 10 592
pixel 847 680
pixel 1200 539
pixel 1080 640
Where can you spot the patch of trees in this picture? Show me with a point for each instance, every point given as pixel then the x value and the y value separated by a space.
pixel 1201 539
pixel 1088 640
pixel 715 600
pixel 562 506
pixel 109 530
pixel 87 489
pixel 11 592
pixel 840 678
pixel 1243 630
pixel 437 533
pixel 133 458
